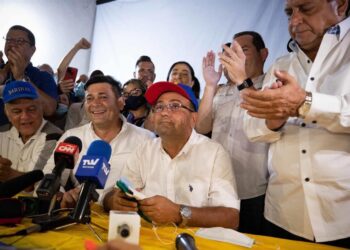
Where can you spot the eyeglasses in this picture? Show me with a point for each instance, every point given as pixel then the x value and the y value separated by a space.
pixel 17 41
pixel 134 92
pixel 172 106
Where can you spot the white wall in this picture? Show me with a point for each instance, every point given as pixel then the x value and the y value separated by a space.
pixel 170 31
pixel 166 30
pixel 56 24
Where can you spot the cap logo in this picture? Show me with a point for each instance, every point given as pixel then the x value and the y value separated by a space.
pixel 19 89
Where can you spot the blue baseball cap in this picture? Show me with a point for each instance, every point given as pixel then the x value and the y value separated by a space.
pixel 157 89
pixel 18 89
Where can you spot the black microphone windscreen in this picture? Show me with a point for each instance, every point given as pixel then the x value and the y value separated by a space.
pixel 15 185
pixel 74 140
pixel 185 241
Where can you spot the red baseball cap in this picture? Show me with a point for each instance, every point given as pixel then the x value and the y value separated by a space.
pixel 157 89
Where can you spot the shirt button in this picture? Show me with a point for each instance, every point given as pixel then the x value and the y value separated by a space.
pixel 312 78
pixel 308 61
pixel 307 179
pixel 303 124
pixel 303 151
pixel 314 121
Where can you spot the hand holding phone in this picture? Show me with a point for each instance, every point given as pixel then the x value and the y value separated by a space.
pixel 125 186
pixel 71 74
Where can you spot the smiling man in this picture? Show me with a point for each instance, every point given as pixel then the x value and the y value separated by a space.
pixel 187 178
pixel 103 102
pixel 30 141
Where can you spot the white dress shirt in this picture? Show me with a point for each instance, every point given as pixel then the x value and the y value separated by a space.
pixel 309 162
pixel 249 159
pixel 128 138
pixel 34 153
pixel 199 175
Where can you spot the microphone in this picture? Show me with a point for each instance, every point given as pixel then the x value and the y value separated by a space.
pixel 65 156
pixel 185 241
pixel 45 226
pixel 15 185
pixel 12 210
pixel 92 172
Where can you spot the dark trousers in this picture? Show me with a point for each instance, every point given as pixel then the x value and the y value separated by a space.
pixel 251 215
pixel 271 229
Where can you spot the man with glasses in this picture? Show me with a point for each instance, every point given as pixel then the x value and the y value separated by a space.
pixel 19 49
pixel 187 178
pixel 136 109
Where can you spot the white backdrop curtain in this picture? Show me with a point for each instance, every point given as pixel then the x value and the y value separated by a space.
pixel 170 31
pixel 122 30
pixel 56 24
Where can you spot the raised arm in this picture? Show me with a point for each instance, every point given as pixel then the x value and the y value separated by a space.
pixel 205 119
pixel 61 70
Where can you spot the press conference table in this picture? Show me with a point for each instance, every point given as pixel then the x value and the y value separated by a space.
pixel 73 237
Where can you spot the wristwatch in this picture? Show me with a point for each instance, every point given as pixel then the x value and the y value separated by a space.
pixel 305 107
pixel 186 214
pixel 247 83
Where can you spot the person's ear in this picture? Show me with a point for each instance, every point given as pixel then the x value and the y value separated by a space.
pixel 194 117
pixel 134 74
pixel 264 54
pixel 121 103
pixel 342 7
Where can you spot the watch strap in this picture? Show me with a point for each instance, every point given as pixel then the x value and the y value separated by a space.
pixel 306 106
pixel 247 83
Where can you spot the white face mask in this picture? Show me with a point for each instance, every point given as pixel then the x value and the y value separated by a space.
pixel 226 235
pixel 61 109
pixel 79 90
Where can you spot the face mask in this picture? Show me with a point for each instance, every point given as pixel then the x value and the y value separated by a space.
pixel 61 109
pixel 79 90
pixel 134 102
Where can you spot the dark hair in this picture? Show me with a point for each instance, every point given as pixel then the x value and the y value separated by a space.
pixel 143 59
pixel 96 72
pixel 137 82
pixel 347 13
pixel 257 39
pixel 196 85
pixel 30 34
pixel 116 85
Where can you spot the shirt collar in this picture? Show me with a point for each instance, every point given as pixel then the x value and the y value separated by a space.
pixel 122 130
pixel 186 148
pixel 344 27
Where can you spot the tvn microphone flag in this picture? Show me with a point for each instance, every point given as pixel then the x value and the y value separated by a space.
pixel 92 172
pixel 94 165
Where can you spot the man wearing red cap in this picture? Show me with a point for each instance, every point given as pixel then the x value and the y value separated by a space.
pixel 187 178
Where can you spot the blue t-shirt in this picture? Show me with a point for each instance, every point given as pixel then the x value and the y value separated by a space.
pixel 43 80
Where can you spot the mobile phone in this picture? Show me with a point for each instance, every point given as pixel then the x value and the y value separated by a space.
pixel 71 74
pixel 125 186
pixel 134 195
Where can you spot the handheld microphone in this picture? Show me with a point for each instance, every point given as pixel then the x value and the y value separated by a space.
pixel 92 172
pixel 65 156
pixel 15 185
pixel 12 210
pixel 185 241
pixel 49 225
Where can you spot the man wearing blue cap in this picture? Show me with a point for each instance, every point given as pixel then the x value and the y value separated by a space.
pixel 31 140
pixel 187 178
